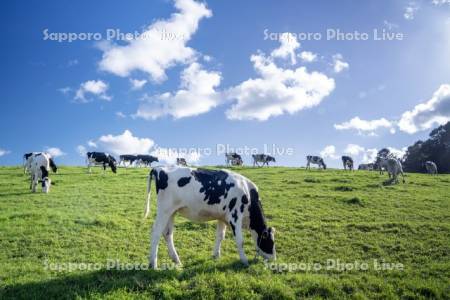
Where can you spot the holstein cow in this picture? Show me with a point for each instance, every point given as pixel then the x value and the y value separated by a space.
pixel 100 159
pixel 27 161
pixel 262 158
pixel 431 167
pixel 368 167
pixel 39 166
pixel 203 195
pixel 181 162
pixel 347 161
pixel 233 158
pixel 393 167
pixel 127 158
pixel 317 160
pixel 146 160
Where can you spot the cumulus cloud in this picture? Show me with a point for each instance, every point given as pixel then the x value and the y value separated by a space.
pixel 329 152
pixel 287 48
pixel 399 153
pixel 54 152
pixel 4 152
pixel 277 91
pixel 137 84
pixel 440 2
pixel 365 126
pixel 196 95
pixel 424 116
pixel 124 143
pixel 410 11
pixel 369 156
pixel 161 46
pixel 353 149
pixel 94 87
pixel 120 115
pixel 339 64
pixel 307 56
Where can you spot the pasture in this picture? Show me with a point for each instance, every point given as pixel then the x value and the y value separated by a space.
pixel 320 217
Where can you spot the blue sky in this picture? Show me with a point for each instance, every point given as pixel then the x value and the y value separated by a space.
pixel 200 87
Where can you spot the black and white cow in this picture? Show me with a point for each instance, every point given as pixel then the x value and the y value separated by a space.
pixel 204 195
pixel 392 166
pixel 347 161
pixel 39 165
pixel 233 158
pixel 127 159
pixel 146 160
pixel 317 160
pixel 262 158
pixel 100 159
pixel 27 161
pixel 368 167
pixel 431 167
pixel 181 161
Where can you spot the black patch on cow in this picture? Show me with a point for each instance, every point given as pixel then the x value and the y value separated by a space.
pixel 210 179
pixel 258 223
pixel 242 207
pixel 232 203
pixel 44 175
pixel 235 215
pixel 53 165
pixel 160 179
pixel 233 228
pixel 183 181
pixel 244 201
pixel 224 207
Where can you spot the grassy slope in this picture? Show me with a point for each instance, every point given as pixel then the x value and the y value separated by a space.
pixel 318 216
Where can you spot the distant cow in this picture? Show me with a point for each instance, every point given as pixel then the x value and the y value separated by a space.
pixel 233 158
pixel 204 195
pixel 181 162
pixel 39 165
pixel 262 158
pixel 393 167
pixel 431 167
pixel 368 167
pixel 27 161
pixel 127 158
pixel 317 160
pixel 101 159
pixel 347 161
pixel 146 160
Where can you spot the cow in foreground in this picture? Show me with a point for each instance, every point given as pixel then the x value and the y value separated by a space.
pixel 347 161
pixel 100 159
pixel 39 165
pixel 204 195
pixel 431 167
pixel 392 166
pixel 234 159
pixel 262 158
pixel 317 160
pixel 27 158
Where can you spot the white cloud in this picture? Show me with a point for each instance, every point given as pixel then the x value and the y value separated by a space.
pixel 277 91
pixel 94 87
pixel 440 2
pixel 399 153
pixel 307 56
pixel 329 152
pixel 197 95
pixel 81 150
pixel 288 46
pixel 364 126
pixel 353 149
pixel 424 116
pixel 72 62
pixel 339 64
pixel 163 44
pixel 137 84
pixel 410 11
pixel 124 143
pixel 92 144
pixel 54 152
pixel 65 90
pixel 120 115
pixel 4 152
pixel 370 155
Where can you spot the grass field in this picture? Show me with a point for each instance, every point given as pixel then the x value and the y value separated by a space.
pixel 320 217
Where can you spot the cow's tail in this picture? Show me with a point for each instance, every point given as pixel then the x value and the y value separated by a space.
pixel 149 189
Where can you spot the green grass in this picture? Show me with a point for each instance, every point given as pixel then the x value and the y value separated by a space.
pixel 318 215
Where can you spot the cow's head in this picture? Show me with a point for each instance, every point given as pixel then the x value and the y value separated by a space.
pixel 113 166
pixel 265 243
pixel 324 165
pixel 271 158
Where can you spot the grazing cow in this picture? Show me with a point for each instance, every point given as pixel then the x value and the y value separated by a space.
pixel 100 159
pixel 39 165
pixel 368 167
pixel 181 161
pixel 431 167
pixel 393 167
pixel 204 195
pixel 127 158
pixel 27 161
pixel 262 158
pixel 347 161
pixel 317 160
pixel 233 158
pixel 146 160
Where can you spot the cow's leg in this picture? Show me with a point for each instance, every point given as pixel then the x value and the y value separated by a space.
pixel 34 183
pixel 161 221
pixel 220 235
pixel 240 242
pixel 168 236
pixel 308 166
